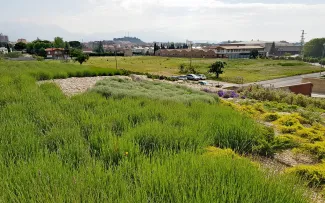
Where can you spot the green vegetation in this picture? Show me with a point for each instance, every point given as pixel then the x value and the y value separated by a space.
pixel 120 88
pixel 54 70
pixel 217 68
pixel 94 148
pixel 314 48
pixel 300 127
pixel 249 70
pixel 281 96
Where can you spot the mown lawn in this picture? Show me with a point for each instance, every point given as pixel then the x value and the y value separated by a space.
pixel 102 147
pixel 249 70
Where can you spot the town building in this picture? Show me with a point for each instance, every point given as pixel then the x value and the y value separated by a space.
pixel 280 48
pixel 22 40
pixel 3 50
pixel 239 51
pixel 4 38
pixel 56 53
pixel 128 52
pixel 87 51
pixel 194 53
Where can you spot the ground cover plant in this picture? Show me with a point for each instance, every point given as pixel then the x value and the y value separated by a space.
pixel 120 88
pixel 300 129
pixel 94 148
pixel 237 71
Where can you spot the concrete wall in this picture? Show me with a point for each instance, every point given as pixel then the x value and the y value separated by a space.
pixel 319 84
pixel 304 88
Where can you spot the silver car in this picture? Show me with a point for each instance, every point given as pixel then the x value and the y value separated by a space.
pixel 192 77
pixel 202 77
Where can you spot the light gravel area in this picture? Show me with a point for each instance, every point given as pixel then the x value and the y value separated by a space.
pixel 73 86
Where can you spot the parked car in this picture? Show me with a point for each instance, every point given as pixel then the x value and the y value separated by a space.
pixel 192 77
pixel 202 77
pixel 182 77
pixel 203 83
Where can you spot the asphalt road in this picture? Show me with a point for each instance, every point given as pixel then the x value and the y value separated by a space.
pixel 285 81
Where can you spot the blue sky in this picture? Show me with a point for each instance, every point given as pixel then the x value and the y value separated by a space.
pixel 168 20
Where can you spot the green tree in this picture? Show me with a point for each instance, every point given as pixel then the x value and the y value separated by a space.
pixel 75 52
pixel 162 46
pixel 67 48
pixel 100 48
pixel 8 47
pixel 42 52
pixel 20 46
pixel 75 44
pixel 81 58
pixel 253 54
pixel 172 46
pixel 314 48
pixel 273 49
pixel 217 68
pixel 58 42
pixel 156 48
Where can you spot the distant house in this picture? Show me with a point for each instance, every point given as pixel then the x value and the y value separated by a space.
pixel 56 53
pixel 3 50
pixel 128 52
pixel 87 51
pixel 22 40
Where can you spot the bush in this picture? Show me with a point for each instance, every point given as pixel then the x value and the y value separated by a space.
pixel 268 94
pixel 270 117
pixel 322 62
pixel 15 54
pixel 315 175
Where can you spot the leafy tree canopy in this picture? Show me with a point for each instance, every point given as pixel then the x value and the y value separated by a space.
pixel 217 68
pixel 58 42
pixel 20 46
pixel 253 54
pixel 75 44
pixel 314 48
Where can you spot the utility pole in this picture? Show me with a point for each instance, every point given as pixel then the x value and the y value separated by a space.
pixel 302 43
pixel 115 57
pixel 191 55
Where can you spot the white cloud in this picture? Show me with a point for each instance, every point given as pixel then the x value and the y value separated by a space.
pixel 195 19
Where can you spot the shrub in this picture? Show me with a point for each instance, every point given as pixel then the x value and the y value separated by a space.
pixel 315 175
pixel 270 117
pixel 286 142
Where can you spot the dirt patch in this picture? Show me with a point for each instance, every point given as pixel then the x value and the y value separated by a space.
pixel 291 159
pixel 73 86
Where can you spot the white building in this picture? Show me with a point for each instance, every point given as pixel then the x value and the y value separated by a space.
pixel 3 50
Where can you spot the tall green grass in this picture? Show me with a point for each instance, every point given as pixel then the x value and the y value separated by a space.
pixel 54 69
pixel 90 148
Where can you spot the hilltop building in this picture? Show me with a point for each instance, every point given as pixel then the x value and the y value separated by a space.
pixel 22 40
pixel 4 38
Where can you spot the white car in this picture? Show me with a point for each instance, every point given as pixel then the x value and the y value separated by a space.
pixel 192 77
pixel 202 77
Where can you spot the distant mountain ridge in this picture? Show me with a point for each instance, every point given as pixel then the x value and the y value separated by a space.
pixel 129 39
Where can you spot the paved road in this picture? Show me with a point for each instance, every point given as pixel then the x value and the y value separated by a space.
pixel 285 81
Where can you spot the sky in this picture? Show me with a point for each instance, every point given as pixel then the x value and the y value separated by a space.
pixel 163 20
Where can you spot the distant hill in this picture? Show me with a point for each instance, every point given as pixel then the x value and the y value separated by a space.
pixel 129 39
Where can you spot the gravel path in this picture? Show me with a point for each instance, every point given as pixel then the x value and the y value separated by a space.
pixel 73 86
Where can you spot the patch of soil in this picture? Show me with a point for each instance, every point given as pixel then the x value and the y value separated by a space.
pixel 73 86
pixel 291 159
